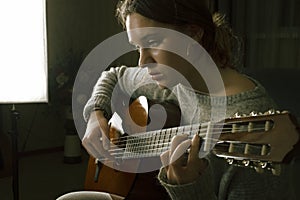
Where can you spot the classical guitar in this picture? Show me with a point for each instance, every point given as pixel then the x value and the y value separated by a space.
pixel 261 141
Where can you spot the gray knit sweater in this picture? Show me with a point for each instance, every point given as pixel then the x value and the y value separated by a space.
pixel 219 181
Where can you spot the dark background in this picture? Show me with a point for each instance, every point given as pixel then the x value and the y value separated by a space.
pixel 269 30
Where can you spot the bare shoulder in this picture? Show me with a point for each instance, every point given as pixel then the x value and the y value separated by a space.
pixel 236 82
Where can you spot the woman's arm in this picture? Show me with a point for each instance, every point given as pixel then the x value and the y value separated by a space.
pixel 102 92
pixel 185 175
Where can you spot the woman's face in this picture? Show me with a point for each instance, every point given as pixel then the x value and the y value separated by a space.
pixel 165 67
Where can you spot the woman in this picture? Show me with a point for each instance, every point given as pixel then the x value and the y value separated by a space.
pixel 183 176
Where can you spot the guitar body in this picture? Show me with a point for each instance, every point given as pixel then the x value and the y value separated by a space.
pixel 108 180
pixel 100 177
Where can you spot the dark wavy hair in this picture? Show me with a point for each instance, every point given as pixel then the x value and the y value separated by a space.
pixel 218 38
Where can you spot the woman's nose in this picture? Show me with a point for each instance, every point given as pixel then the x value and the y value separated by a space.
pixel 145 57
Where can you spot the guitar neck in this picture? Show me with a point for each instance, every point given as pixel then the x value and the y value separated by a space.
pixel 268 137
pixel 154 143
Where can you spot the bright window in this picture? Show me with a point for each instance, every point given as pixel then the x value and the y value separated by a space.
pixel 23 56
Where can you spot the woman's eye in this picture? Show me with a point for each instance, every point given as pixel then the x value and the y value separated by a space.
pixel 153 43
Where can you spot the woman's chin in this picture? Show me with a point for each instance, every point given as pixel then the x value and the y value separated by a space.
pixel 164 84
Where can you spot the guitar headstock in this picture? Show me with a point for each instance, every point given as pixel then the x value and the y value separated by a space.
pixel 259 140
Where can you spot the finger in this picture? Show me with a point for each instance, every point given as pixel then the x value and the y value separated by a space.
pixel 194 161
pixel 93 137
pixel 176 140
pixel 100 144
pixel 94 146
pixel 89 147
pixel 195 147
pixel 179 151
pixel 104 128
pixel 91 134
pixel 105 135
pixel 164 157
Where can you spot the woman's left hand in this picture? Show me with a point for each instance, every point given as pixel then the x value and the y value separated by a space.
pixel 182 167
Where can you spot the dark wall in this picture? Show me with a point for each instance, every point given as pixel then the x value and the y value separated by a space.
pixel 74 28
pixel 270 34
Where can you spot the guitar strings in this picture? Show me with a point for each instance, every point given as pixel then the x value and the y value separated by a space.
pixel 158 148
pixel 157 152
pixel 154 134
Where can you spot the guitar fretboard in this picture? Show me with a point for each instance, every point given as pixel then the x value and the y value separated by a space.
pixel 154 143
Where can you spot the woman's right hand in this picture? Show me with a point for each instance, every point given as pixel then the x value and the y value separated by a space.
pixel 96 138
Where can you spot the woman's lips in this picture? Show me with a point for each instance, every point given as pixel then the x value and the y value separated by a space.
pixel 156 76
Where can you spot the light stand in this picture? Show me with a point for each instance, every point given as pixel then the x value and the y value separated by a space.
pixel 15 153
pixel 23 69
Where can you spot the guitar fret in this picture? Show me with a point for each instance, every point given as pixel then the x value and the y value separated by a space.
pixel 174 132
pixel 208 136
pixel 166 140
pixel 151 151
pixel 144 145
pixel 158 136
pixel 156 143
pixel 134 147
pixel 161 140
pixel 195 129
pixel 138 147
pixel 180 130
pixel 152 142
pixel 153 139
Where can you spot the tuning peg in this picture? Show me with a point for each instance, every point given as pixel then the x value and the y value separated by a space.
pixel 237 115
pixel 259 170
pixel 285 112
pixel 258 167
pixel 246 163
pixel 253 113
pixel 263 165
pixel 276 169
pixel 270 112
pixel 230 161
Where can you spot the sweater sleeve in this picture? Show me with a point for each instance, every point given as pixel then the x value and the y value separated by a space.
pixel 202 188
pixel 101 95
pixel 131 81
